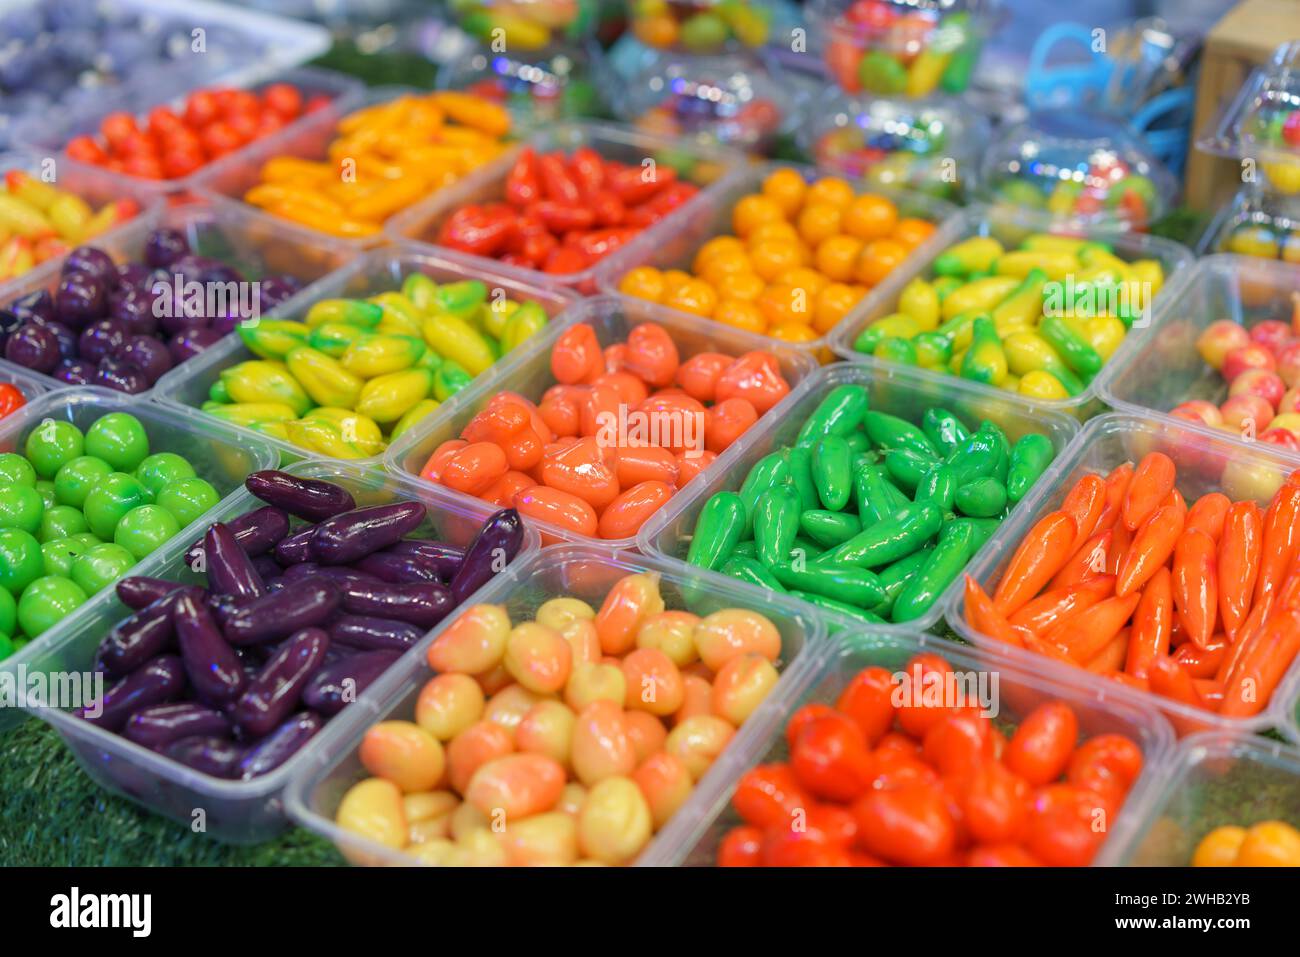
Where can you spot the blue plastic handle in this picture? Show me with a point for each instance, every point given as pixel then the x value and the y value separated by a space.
pixel 1043 84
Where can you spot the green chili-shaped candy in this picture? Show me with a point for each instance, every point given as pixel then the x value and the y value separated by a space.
pixel 875 496
pixel 832 472
pixel 776 523
pixel 717 530
pixel 799 460
pixel 804 549
pixel 858 442
pixel 839 607
pixel 906 468
pixel 984 529
pixel 937 486
pixel 1003 448
pixel 974 458
pixel 1029 459
pixel 1075 351
pixel 895 576
pixel 853 586
pixel 772 469
pixel 887 541
pixel 982 498
pixel 941 567
pixel 747 548
pixel 751 570
pixel 944 430
pixel 829 529
pixel 890 432
pixel 838 414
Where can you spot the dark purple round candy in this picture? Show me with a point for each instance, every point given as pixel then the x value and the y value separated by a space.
pixel 164 247
pixel 120 376
pixel 132 274
pixel 67 338
pixel 92 262
pixel 75 372
pixel 80 299
pixel 34 305
pixel 147 354
pixel 225 325
pixel 9 322
pixel 181 321
pixel 276 289
pixel 100 339
pixel 189 344
pixel 34 346
pixel 134 308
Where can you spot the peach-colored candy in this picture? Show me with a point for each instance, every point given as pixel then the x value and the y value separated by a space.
pixel 428 814
pixel 595 682
pixel 448 704
pixel 700 670
pixel 698 741
pixel 436 828
pixel 543 840
pixel 697 698
pixel 494 679
pixel 571 798
pixel 516 786
pixel 538 657
pixel 475 642
pixel 601 747
pixel 665 783
pixel 474 747
pixel 646 732
pixel 439 852
pixel 614 823
pixel 404 753
pixel 559 613
pixel 481 848
pixel 583 641
pixel 734 632
pixel 373 809
pixel 653 682
pixel 633 599
pixel 547 729
pixel 467 819
pixel 673 633
pixel 741 686
pixel 509 705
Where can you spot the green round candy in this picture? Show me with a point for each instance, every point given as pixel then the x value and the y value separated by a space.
pixel 20 643
pixel 21 507
pixel 115 495
pixel 100 566
pixel 188 499
pixel 16 470
pixel 46 488
pixel 162 468
pixel 60 522
pixel 75 480
pixel 60 553
pixel 20 559
pixel 46 602
pixel 143 529
pixel 8 612
pixel 87 538
pixel 51 444
pixel 119 439
pixel 6 646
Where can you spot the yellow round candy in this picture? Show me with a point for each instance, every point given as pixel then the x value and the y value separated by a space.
pixel 448 704
pixel 373 809
pixel 614 823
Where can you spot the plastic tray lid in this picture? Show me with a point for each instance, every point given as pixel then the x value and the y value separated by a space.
pixel 1263 121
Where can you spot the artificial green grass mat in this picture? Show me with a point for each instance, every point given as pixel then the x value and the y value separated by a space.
pixel 53 815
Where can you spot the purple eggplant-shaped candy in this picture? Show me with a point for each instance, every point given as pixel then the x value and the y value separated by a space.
pixel 279 746
pixel 223 606
pixel 256 532
pixel 392 567
pixel 355 534
pixel 162 679
pixel 137 591
pixel 423 604
pixel 340 683
pixel 142 636
pixel 267 568
pixel 311 499
pixel 158 726
pixel 211 664
pixel 292 549
pixel 368 633
pixel 276 690
pixel 230 570
pixel 496 545
pixel 218 757
pixel 347 579
pixel 305 605
pixel 446 557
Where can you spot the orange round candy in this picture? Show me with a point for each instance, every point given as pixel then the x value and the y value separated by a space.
pixel 837 256
pixel 912 232
pixel 644 282
pixel 787 188
pixel 694 296
pixel 601 746
pixel 744 286
pixel 625 515
pixel 556 508
pixel 830 190
pixel 879 258
pixel 404 753
pixel 576 356
pixel 717 248
pixel 665 783
pixel 741 315
pixel 833 304
pixel 474 747
pixel 516 786
pixel 773 257
pixel 632 599
pixel 653 682
pixel 538 658
pixel 733 632
pixel 870 217
pixel 473 643
pixel 728 421
pixel 819 222
pixel 752 211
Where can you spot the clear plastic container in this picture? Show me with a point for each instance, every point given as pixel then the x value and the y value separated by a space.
pixel 581 571
pixel 96 187
pixel 1018 690
pixel 1256 222
pixel 524 24
pixel 1010 227
pixel 1206 463
pixel 529 374
pixel 1164 368
pixel 381 270
pixel 538 87
pixel 256 244
pixel 894 390
pixel 1080 169
pixel 733 100
pixel 32 387
pixel 908 48
pixel 701 26
pixel 218 454
pixel 420 223
pixel 1262 122
pixel 241 812
pixel 673 245
pixel 930 147
pixel 1212 780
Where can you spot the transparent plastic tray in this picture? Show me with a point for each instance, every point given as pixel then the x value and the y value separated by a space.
pixel 585 572
pixel 420 223
pixel 529 374
pixel 216 451
pixel 524 24
pixel 895 390
pixel 241 812
pixel 1010 227
pixel 31 386
pixel 1256 222
pixel 1213 779
pixel 97 187
pixel 1018 691
pixel 703 27
pixel 1206 462
pixel 256 244
pixel 673 244
pixel 539 87
pixel 1164 369
pixel 381 270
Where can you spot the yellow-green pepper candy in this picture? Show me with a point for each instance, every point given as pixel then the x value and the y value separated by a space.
pixel 976 254
pixel 413 415
pixel 457 340
pixel 985 361
pixel 1055 265
pixel 1028 352
pixel 355 312
pixel 217 392
pixel 329 427
pixel 333 338
pixel 272 338
pixel 401 317
pixel 462 297
pixel 387 398
pixel 252 415
pixel 528 320
pixel 260 380
pixel 1104 333
pixel 448 380
pixel 421 290
pixel 276 430
pixel 380 355
pixel 430 360
pixel 893 349
pixel 497 314
pixel 919 300
pixel 317 435
pixel 1041 385
pixel 979 295
pixel 932 350
pixel 324 379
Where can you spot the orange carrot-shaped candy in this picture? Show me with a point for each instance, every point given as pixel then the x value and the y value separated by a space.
pixel 1128 680
pixel 1117 483
pixel 1209 691
pixel 1120 539
pixel 1152 482
pixel 1111 657
pixel 1239 645
pixel 1151 548
pixel 1153 624
pixel 1239 556
pixel 1280 538
pixel 1170 681
pixel 1088 561
pixel 1259 674
pixel 1087 633
pixel 1040 556
pixel 1052 607
pixel 1175 499
pixel 1085 503
pixel 1196 585
pixel 1208 514
pixel 1202 662
pixel 984 618
pixel 1048 649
